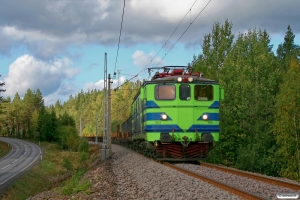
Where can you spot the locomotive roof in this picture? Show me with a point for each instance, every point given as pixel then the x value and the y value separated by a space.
pixel 171 76
pixel 173 79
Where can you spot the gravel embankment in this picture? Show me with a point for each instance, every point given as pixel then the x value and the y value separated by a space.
pixel 129 175
pixel 248 184
pixel 141 178
pixel 103 185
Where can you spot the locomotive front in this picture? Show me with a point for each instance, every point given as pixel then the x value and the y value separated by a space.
pixel 175 116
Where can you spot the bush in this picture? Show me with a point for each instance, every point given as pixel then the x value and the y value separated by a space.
pixel 74 186
pixel 83 157
pixel 83 146
pixel 67 164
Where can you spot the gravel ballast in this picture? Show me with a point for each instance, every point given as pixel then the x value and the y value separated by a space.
pixel 139 177
pixel 253 186
pixel 130 175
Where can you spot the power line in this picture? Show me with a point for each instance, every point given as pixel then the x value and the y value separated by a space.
pixel 179 37
pixel 127 74
pixel 119 38
pixel 172 32
pixel 126 82
pixel 170 37
pixel 184 32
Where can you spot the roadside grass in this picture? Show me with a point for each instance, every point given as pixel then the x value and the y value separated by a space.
pixel 51 172
pixel 4 149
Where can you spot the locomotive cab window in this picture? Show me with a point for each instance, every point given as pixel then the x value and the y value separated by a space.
pixel 184 92
pixel 165 92
pixel 204 92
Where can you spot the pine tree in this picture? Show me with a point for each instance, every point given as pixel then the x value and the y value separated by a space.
pixel 288 51
pixel 16 114
pixel 2 108
pixel 28 108
pixel 286 128
pixel 250 79
pixel 216 47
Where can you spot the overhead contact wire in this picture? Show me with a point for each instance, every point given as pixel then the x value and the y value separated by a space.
pixel 119 37
pixel 184 32
pixel 171 36
pixel 172 33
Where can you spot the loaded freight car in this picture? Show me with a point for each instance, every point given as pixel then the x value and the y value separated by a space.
pixel 174 116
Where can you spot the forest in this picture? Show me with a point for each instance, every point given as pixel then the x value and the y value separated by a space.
pixel 260 115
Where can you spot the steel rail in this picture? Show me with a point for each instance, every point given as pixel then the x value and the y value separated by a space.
pixel 269 180
pixel 231 189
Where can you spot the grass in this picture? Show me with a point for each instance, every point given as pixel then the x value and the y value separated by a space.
pixel 73 185
pixel 50 172
pixel 4 149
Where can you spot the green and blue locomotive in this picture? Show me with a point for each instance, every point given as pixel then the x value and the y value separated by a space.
pixel 174 116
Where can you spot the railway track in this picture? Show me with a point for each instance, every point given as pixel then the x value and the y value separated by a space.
pixel 268 180
pixel 233 188
pixel 224 186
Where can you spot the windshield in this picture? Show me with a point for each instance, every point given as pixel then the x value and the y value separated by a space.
pixel 203 92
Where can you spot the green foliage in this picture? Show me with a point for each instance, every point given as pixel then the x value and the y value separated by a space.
pixel 68 137
pixel 216 47
pixel 83 157
pixel 73 185
pixel 47 126
pixel 288 51
pixel 286 128
pixel 250 74
pixel 83 146
pixel 66 120
pixel 67 163
pixel 48 173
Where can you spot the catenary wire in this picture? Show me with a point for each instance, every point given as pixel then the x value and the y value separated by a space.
pixel 184 32
pixel 169 38
pixel 172 33
pixel 120 37
pixel 179 37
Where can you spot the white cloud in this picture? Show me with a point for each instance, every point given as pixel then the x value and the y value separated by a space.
pixel 169 10
pixel 61 94
pixel 90 86
pixel 143 60
pixel 99 85
pixel 28 72
pixel 61 24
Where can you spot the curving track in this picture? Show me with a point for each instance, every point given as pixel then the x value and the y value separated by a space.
pixel 266 179
pixel 234 190
pixel 22 156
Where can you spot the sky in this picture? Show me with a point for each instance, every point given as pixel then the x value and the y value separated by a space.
pixel 58 46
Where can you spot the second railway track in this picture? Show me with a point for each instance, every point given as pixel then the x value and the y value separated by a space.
pixel 240 183
pixel 258 177
pixel 257 186
pixel 242 193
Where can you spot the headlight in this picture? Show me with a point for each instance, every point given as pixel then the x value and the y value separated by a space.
pixel 190 79
pixel 179 79
pixel 164 116
pixel 205 117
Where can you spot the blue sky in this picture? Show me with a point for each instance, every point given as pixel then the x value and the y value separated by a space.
pixel 58 46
